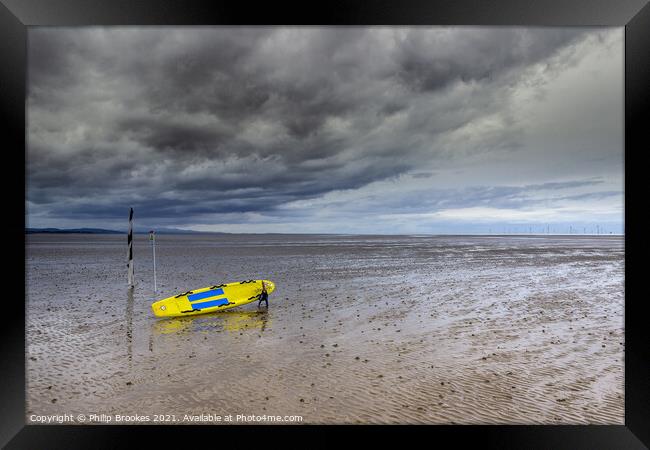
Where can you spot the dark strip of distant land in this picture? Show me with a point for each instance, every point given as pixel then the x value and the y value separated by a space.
pixel 102 231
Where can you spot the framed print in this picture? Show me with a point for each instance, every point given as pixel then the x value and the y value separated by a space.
pixel 289 219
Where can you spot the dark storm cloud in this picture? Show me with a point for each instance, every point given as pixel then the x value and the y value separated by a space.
pixel 187 122
pixel 430 61
pixel 166 136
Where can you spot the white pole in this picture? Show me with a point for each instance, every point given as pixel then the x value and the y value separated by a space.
pixel 129 254
pixel 152 238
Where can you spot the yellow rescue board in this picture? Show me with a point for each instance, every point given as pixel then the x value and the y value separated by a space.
pixel 212 298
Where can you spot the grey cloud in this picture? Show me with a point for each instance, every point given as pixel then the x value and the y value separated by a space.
pixel 508 197
pixel 428 61
pixel 593 195
pixel 166 136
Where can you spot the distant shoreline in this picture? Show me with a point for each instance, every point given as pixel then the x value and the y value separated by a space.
pixel 190 232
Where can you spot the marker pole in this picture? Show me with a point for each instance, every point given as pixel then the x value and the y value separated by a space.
pixel 152 238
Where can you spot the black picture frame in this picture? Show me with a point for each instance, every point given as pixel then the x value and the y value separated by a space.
pixel 634 15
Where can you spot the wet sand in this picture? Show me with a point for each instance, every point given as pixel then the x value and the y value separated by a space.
pixel 361 329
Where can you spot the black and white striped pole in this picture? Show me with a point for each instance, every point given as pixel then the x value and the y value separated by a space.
pixel 131 281
pixel 152 238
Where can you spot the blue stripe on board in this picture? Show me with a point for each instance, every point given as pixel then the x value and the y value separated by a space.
pixel 206 294
pixel 218 302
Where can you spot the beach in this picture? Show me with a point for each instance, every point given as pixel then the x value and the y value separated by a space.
pixel 360 329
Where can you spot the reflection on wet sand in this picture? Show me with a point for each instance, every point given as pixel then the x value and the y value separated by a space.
pixel 231 321
pixel 129 324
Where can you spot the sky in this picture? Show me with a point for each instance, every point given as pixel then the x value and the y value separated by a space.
pixel 370 130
